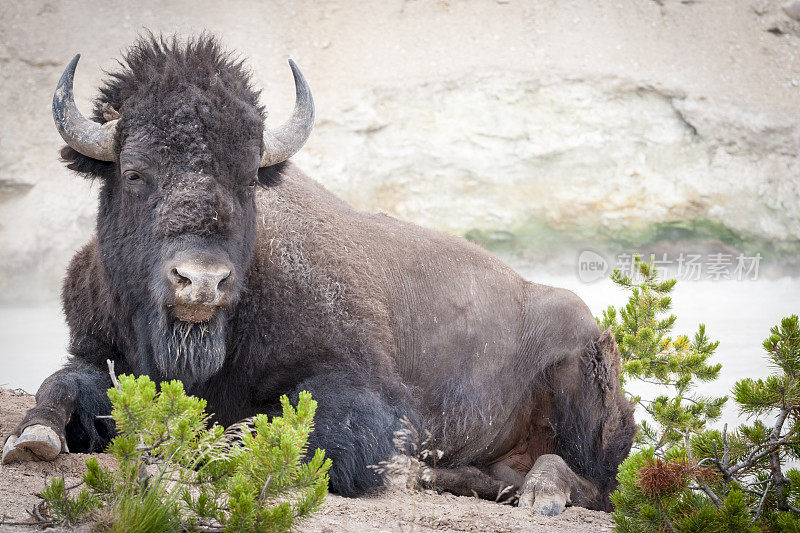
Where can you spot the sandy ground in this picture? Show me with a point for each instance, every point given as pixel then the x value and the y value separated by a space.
pixel 395 510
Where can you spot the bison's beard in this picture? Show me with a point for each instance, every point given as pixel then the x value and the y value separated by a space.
pixel 189 351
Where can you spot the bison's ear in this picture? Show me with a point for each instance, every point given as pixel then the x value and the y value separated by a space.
pixel 272 175
pixel 90 168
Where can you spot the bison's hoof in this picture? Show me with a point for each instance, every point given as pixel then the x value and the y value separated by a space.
pixel 543 503
pixel 37 443
pixel 549 504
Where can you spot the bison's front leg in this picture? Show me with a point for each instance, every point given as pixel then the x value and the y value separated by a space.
pixel 355 424
pixel 65 416
pixel 551 485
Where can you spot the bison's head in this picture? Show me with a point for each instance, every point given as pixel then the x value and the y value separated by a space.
pixel 179 142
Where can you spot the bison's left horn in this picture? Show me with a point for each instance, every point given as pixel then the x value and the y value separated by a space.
pixel 283 142
pixel 85 136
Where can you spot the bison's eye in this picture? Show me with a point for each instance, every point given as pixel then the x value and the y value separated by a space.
pixel 131 176
pixel 253 183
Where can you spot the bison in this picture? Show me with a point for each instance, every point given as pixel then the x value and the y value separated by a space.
pixel 217 262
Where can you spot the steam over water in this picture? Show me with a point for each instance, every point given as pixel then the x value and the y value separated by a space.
pixel 737 313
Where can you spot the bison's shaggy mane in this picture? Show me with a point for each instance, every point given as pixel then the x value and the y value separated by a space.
pixel 159 65
pixel 166 64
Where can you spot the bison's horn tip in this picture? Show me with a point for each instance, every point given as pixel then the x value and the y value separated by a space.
pixel 84 136
pixel 283 142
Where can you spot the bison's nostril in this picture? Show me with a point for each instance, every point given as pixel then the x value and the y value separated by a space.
pixel 200 281
pixel 182 279
pixel 223 281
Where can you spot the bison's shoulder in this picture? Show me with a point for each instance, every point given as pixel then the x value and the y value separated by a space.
pixel 89 307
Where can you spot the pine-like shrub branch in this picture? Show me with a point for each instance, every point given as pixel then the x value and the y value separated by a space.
pixel 176 472
pixel 685 476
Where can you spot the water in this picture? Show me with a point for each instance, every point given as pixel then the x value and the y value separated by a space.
pixel 33 344
pixel 33 340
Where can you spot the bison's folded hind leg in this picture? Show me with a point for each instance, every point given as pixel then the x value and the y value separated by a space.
pixel 593 421
pixel 551 485
pixel 469 481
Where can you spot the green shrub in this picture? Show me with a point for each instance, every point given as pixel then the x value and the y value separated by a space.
pixel 685 476
pixel 175 472
pixel 649 354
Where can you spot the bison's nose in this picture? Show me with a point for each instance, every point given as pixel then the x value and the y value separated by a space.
pixel 195 283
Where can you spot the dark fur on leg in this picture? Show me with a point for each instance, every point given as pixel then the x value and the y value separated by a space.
pixel 69 401
pixel 85 431
pixel 594 423
pixel 355 424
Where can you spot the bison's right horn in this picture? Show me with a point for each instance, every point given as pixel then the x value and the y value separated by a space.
pixel 283 142
pixel 85 136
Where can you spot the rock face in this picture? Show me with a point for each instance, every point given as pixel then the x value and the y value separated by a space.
pixel 591 117
pixel 495 150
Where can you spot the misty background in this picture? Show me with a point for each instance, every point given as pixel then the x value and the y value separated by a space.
pixel 537 129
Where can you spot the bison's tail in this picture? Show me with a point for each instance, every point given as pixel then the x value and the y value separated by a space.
pixel 595 425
